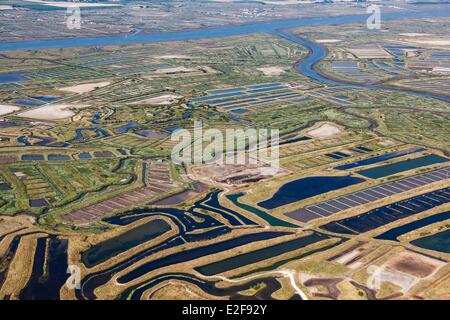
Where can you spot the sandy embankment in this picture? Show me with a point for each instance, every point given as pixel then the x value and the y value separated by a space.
pixel 52 112
pixel 5 109
pixel 85 88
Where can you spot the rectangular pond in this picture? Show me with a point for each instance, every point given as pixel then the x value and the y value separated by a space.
pixel 437 242
pixel 390 169
pixel 379 158
pixel 12 77
pixel 32 157
pixel 381 216
pixel 58 157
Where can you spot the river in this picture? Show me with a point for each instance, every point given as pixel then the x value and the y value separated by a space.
pixel 224 31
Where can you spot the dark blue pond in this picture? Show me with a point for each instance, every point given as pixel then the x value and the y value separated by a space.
pixel 84 156
pixel 305 188
pixel 123 242
pixel 36 203
pixel 32 157
pixel 49 271
pixel 58 157
pixel 390 169
pixel 12 77
pixel 437 242
pixel 377 159
pixel 5 186
pixel 28 103
pixel 394 233
pixel 239 111
pixel 7 124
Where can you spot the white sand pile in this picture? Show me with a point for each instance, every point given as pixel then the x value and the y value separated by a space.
pixel 324 131
pixel 328 40
pixel 173 56
pixel 86 87
pixel 173 70
pixel 52 112
pixel 161 100
pixel 63 4
pixel 272 71
pixel 5 109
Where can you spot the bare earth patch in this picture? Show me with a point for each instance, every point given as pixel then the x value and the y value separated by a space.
pixel 52 112
pixel 272 71
pixel 370 53
pixel 173 70
pixel 328 40
pixel 233 174
pixel 5 109
pixel 415 264
pixel 324 131
pixel 85 88
pixel 161 100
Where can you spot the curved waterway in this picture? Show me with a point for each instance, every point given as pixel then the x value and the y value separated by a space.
pixel 394 233
pixel 308 68
pixel 304 188
pixel 189 222
pixel 233 292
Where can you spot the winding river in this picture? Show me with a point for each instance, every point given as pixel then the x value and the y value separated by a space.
pixel 307 67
